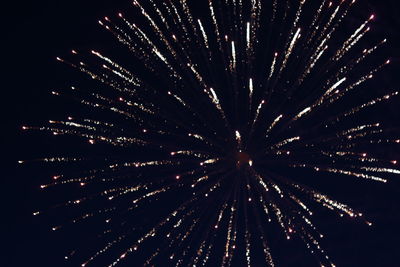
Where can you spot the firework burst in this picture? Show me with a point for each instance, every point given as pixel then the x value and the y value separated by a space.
pixel 209 135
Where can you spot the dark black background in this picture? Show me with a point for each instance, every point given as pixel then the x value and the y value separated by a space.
pixel 33 34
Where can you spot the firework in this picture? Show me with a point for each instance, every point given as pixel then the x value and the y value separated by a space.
pixel 209 135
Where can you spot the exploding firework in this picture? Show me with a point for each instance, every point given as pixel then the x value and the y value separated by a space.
pixel 208 136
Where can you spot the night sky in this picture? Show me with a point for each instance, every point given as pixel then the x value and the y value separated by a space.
pixel 37 32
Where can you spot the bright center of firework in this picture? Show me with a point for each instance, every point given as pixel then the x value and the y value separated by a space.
pixel 243 159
